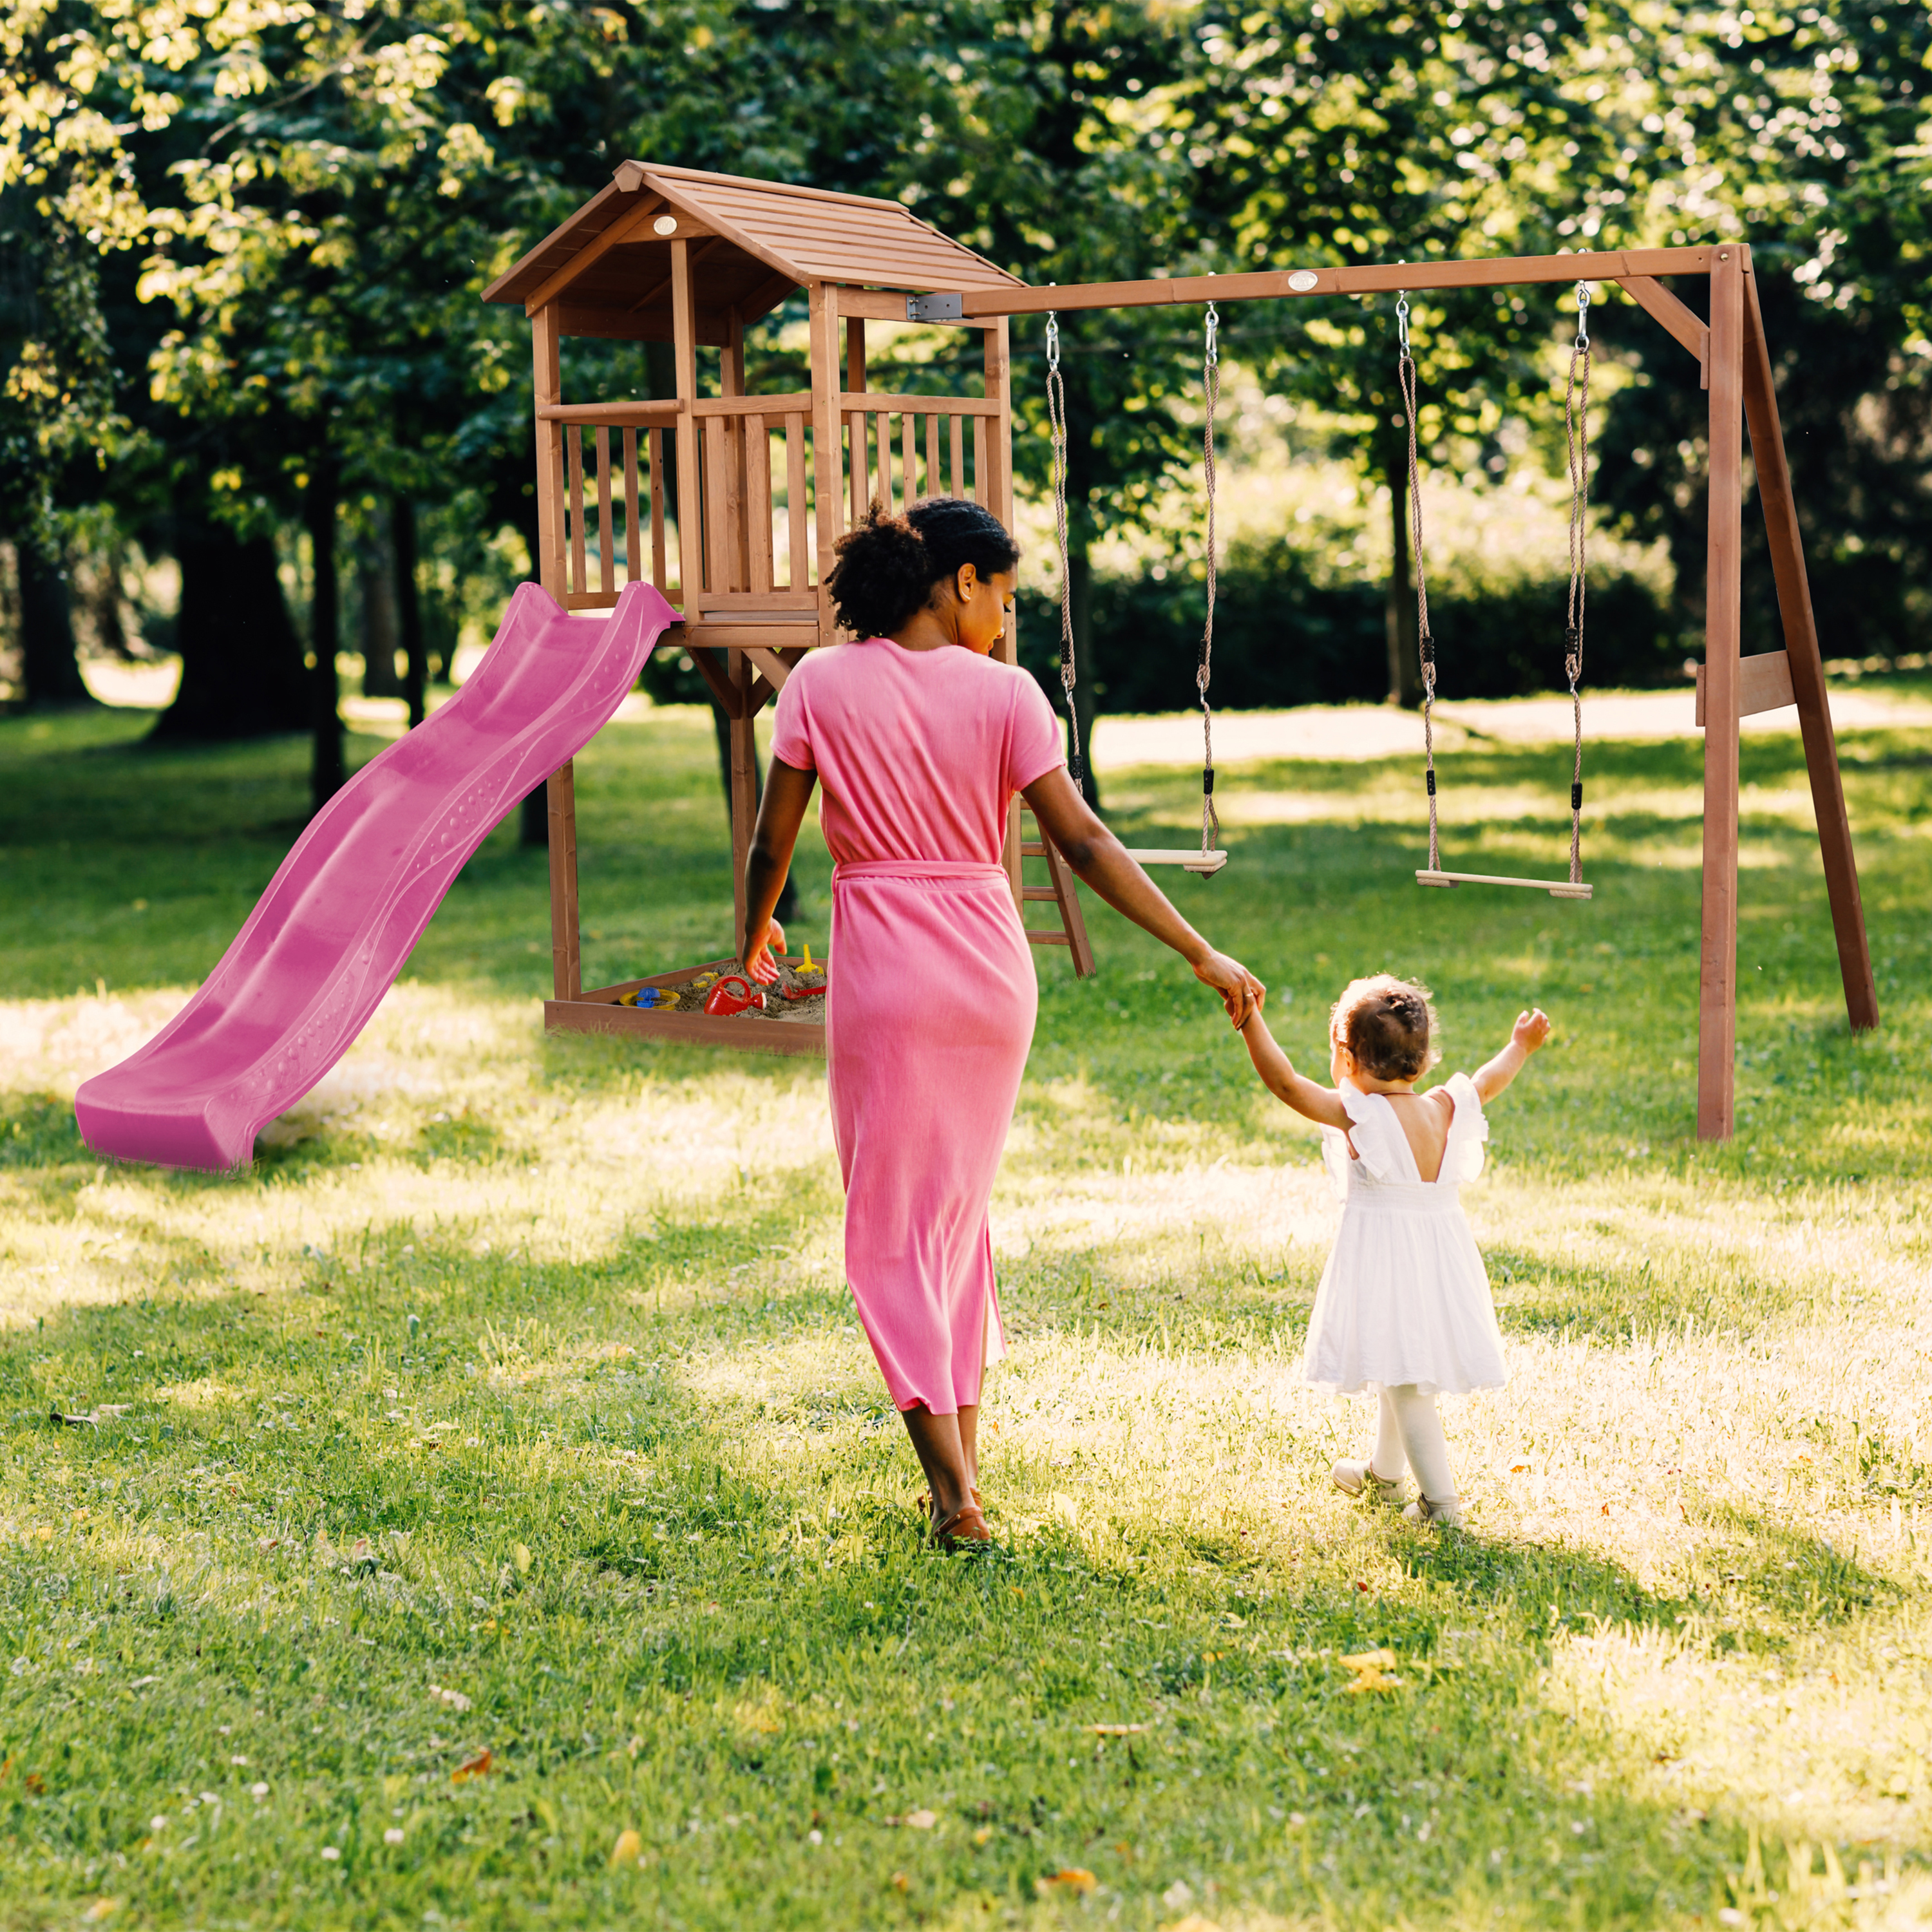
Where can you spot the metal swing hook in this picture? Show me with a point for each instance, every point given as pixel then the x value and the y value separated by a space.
pixel 1213 352
pixel 1052 340
pixel 1582 315
pixel 1402 319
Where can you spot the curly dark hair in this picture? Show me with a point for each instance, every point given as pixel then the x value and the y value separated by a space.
pixel 1388 1025
pixel 887 565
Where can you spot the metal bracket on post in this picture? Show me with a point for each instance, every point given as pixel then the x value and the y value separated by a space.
pixel 936 308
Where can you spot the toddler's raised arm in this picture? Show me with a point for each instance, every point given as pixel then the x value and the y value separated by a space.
pixel 1321 1104
pixel 1531 1030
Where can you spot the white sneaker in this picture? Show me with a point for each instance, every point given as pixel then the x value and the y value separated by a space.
pixel 1353 1478
pixel 1449 1510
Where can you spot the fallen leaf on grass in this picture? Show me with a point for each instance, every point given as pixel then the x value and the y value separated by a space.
pixel 1073 1878
pixel 1117 1730
pixel 900 1881
pixel 1370 1668
pixel 920 1821
pixel 629 1845
pixel 101 1908
pixel 1194 1922
pixel 454 1699
pixel 519 1556
pixel 478 1766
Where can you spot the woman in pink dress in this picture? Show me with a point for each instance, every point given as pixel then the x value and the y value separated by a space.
pixel 921 739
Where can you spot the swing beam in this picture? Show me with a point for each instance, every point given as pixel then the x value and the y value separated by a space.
pixel 1734 368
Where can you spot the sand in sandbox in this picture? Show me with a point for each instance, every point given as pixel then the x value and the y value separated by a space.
pixel 777 1007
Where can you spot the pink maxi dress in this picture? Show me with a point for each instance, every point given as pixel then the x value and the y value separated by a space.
pixel 932 998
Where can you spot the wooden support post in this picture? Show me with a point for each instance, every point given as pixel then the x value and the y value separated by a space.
pixel 744 786
pixel 856 422
pixel 1718 965
pixel 1806 665
pixel 690 484
pixel 823 299
pixel 566 951
pixel 548 384
pixel 560 793
pixel 993 450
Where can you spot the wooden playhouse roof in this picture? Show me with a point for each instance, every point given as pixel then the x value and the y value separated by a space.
pixel 609 265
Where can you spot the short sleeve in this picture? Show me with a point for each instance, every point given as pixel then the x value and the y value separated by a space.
pixel 1034 744
pixel 791 733
pixel 1469 1129
pixel 1381 1146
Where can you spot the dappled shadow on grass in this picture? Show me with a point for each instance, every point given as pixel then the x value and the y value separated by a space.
pixel 649 1620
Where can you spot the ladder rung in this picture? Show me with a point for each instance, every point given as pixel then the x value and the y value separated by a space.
pixel 1038 892
pixel 1028 850
pixel 1038 938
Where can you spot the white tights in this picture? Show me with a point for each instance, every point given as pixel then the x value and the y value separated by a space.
pixel 1408 1435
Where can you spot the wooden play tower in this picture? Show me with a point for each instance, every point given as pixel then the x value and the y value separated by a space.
pixel 731 503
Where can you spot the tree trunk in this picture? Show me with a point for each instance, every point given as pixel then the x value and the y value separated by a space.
pixel 326 769
pixel 50 672
pixel 241 660
pixel 376 593
pixel 409 609
pixel 1405 671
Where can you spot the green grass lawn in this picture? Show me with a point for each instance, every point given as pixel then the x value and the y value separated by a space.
pixel 500 1522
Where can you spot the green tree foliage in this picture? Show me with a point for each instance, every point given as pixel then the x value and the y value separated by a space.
pixel 1801 131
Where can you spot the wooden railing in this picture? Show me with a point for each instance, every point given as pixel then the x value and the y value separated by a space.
pixel 757 489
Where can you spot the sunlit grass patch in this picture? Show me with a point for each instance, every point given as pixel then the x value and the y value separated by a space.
pixel 513 1404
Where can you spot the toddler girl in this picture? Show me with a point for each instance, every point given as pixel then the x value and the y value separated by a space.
pixel 1404 1302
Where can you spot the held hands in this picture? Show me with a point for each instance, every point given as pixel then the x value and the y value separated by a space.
pixel 757 957
pixel 1531 1030
pixel 1241 993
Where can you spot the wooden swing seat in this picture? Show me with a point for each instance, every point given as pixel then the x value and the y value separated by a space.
pixel 1557 889
pixel 1206 864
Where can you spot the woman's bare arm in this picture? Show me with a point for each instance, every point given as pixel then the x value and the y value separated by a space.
pixel 1320 1104
pixel 1101 860
pixel 780 813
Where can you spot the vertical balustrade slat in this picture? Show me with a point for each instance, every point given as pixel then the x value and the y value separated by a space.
pixel 716 546
pixel 758 500
pixel 660 573
pixel 884 422
pixel 957 425
pixel 574 442
pixel 607 550
pixel 858 426
pixel 935 480
pixel 979 490
pixel 801 572
pixel 633 536
pixel 909 459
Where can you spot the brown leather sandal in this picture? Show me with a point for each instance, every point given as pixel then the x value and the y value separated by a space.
pixel 964 1527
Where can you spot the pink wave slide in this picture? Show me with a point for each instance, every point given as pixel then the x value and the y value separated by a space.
pixel 347 905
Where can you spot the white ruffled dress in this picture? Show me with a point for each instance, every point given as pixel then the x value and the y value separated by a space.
pixel 1405 1298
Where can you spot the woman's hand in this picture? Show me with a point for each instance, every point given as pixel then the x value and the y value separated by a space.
pixel 757 960
pixel 1241 993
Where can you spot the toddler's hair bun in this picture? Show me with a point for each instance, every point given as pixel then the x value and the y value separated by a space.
pixel 1388 1025
pixel 887 565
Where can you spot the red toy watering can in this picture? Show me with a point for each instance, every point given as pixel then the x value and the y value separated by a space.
pixel 733 994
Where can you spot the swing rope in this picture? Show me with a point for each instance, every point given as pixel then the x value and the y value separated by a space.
pixel 1056 420
pixel 1210 380
pixel 1576 430
pixel 1425 643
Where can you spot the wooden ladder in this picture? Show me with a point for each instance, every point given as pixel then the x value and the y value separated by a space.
pixel 1071 932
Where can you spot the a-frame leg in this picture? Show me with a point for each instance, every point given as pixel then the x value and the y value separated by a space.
pixel 1807 669
pixel 1717 957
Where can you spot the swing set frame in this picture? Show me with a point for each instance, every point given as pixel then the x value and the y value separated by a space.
pixel 1734 367
pixel 731 503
